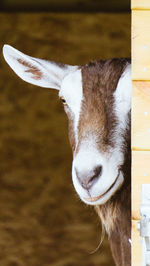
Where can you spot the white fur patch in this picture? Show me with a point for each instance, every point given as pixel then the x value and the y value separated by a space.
pixel 71 90
pixel 122 97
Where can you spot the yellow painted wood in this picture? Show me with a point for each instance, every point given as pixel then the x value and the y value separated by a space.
pixel 141 45
pixel 140 115
pixel 140 175
pixel 136 246
pixel 140 4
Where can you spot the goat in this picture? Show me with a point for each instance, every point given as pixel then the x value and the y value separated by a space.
pixel 97 101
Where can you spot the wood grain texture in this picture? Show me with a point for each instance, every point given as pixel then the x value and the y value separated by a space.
pixel 140 175
pixel 140 4
pixel 136 245
pixel 141 115
pixel 141 45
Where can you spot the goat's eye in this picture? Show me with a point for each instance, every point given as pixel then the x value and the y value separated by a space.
pixel 63 100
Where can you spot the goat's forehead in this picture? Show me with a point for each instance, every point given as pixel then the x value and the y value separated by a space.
pixel 89 91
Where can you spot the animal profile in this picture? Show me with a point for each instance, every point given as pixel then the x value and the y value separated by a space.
pixel 97 101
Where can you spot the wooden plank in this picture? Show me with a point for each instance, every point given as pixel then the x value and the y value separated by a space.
pixel 136 246
pixel 140 175
pixel 141 45
pixel 141 115
pixel 140 4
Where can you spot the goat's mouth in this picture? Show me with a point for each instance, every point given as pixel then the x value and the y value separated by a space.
pixel 94 199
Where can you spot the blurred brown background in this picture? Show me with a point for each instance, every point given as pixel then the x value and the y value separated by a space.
pixel 42 221
pixel 66 5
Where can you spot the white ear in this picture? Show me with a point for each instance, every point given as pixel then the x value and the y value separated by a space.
pixel 36 71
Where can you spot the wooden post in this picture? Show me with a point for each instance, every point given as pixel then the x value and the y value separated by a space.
pixel 140 115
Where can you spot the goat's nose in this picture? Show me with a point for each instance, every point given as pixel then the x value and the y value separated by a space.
pixel 88 178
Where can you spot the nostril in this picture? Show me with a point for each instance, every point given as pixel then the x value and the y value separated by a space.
pixel 88 179
pixel 98 171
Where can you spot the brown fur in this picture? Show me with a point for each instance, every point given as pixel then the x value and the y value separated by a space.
pixel 100 80
pixel 37 74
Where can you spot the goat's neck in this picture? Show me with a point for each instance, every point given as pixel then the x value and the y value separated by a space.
pixel 116 215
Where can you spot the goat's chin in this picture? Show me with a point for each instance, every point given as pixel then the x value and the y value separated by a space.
pixel 103 198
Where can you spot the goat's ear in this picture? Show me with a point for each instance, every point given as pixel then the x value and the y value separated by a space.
pixel 36 71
